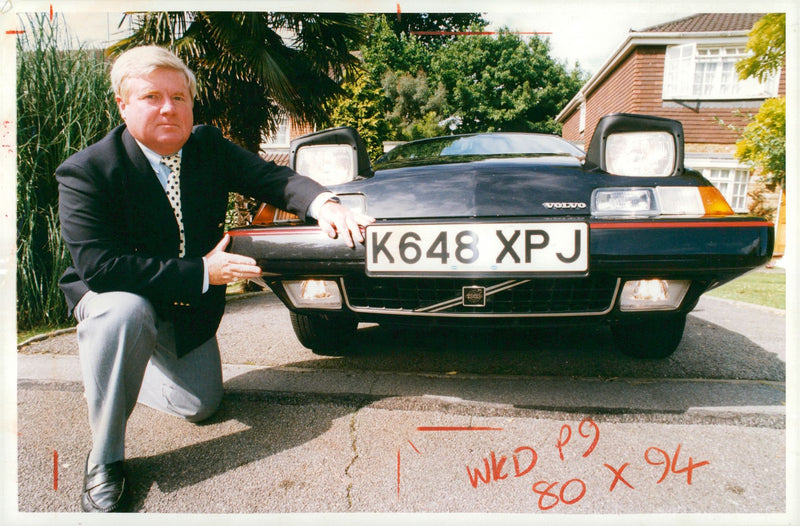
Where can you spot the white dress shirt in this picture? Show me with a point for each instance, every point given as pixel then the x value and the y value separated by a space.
pixel 162 172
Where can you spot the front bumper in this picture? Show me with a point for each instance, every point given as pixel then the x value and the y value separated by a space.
pixel 705 251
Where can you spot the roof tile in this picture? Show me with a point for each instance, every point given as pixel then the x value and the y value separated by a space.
pixel 281 159
pixel 707 22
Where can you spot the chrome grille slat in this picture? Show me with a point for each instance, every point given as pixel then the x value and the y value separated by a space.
pixel 587 296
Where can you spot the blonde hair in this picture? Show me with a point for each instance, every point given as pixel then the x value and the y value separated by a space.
pixel 139 62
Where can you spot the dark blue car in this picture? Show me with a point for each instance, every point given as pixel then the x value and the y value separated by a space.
pixel 509 229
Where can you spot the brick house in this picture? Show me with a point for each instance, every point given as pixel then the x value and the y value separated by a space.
pixel 685 70
pixel 275 147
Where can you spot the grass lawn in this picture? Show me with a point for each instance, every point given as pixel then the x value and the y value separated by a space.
pixel 36 331
pixel 766 288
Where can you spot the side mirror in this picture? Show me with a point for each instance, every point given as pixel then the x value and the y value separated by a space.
pixel 331 157
pixel 637 145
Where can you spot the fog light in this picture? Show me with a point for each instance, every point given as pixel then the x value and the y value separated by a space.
pixel 314 294
pixel 653 294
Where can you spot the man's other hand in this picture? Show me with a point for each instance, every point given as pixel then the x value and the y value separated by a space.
pixel 224 268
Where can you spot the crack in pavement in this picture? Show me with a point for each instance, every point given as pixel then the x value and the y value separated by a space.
pixel 353 459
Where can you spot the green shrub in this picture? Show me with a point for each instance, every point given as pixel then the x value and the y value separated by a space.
pixel 64 103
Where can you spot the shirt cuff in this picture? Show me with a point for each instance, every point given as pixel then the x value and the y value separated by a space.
pixel 205 276
pixel 316 204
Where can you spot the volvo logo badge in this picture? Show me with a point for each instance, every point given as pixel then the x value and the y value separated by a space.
pixel 565 206
pixel 473 296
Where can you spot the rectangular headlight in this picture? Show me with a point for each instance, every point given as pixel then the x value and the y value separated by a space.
pixel 313 294
pixel 680 200
pixel 642 153
pixel 355 202
pixel 624 202
pixel 328 164
pixel 692 200
pixel 653 294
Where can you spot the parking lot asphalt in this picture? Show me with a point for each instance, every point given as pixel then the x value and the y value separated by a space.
pixel 412 424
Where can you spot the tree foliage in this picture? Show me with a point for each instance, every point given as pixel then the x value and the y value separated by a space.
pixel 434 30
pixel 253 67
pixel 394 59
pixel 362 106
pixel 451 82
pixel 416 107
pixel 386 50
pixel 504 83
pixel 767 42
pixel 763 141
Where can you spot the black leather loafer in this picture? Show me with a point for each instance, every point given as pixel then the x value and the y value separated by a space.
pixel 103 488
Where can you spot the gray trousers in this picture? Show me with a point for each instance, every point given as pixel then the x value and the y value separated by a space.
pixel 127 354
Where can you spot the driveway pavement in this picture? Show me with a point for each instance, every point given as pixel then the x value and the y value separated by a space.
pixel 526 422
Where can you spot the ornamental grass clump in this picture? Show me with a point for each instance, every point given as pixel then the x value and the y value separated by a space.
pixel 64 103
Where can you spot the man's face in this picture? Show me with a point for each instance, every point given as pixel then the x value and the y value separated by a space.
pixel 158 110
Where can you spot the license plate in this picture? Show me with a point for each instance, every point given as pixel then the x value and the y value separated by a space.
pixel 477 248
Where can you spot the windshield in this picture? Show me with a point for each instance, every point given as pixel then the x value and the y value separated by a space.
pixel 482 145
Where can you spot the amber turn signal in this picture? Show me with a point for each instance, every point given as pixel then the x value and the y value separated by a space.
pixel 269 215
pixel 714 202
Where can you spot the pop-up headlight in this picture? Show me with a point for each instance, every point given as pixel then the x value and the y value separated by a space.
pixel 328 164
pixel 645 153
pixel 636 146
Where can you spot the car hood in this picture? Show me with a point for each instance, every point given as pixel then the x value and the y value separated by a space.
pixel 541 186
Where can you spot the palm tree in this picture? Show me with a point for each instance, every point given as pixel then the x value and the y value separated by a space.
pixel 253 68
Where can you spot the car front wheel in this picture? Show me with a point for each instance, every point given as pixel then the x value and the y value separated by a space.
pixel 325 334
pixel 655 338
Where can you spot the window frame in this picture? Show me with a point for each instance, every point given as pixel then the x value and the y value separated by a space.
pixel 735 193
pixel 684 62
pixel 282 136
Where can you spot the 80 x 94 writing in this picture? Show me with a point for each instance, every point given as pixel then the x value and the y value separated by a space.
pixel 521 464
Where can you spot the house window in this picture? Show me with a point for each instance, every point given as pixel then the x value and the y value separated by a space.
pixel 732 183
pixel 582 117
pixel 281 138
pixel 695 72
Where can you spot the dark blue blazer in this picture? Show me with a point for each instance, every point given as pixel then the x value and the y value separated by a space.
pixel 121 231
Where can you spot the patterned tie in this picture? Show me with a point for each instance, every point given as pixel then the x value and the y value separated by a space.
pixel 173 162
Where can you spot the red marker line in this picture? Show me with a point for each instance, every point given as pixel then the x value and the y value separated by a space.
pixel 398 473
pixel 55 470
pixel 436 428
pixel 681 224
pixel 415 447
pixel 477 33
pixel 15 32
